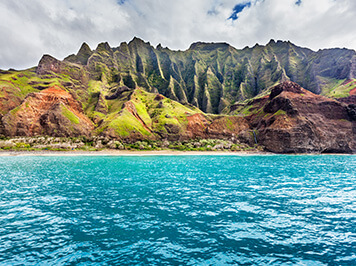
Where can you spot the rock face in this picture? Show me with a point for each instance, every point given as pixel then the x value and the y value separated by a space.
pixel 52 112
pixel 294 120
pixel 82 56
pixel 49 64
pixel 212 76
pixel 201 126
pixel 138 92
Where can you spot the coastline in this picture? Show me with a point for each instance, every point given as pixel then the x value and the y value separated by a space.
pixel 109 152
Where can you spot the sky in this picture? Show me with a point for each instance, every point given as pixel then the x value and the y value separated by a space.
pixel 31 28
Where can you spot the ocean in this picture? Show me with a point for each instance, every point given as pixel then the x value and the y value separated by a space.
pixel 178 210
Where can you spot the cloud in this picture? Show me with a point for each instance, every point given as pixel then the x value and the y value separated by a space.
pixel 58 27
pixel 34 27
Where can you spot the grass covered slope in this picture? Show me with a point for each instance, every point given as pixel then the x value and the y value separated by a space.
pixel 343 89
pixel 141 115
pixel 144 115
pixel 212 76
pixel 137 92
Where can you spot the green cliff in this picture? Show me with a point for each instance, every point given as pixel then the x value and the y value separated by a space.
pixel 138 92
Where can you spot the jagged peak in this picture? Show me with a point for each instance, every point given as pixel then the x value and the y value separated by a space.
pixel 256 45
pixel 285 45
pixel 123 44
pixel 84 49
pixel 104 46
pixel 160 47
pixel 289 86
pixel 48 64
pixel 278 42
pixel 137 39
pixel 47 57
pixel 138 42
pixel 122 47
pixel 271 42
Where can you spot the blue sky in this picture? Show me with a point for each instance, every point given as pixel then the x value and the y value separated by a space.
pixel 238 9
pixel 32 28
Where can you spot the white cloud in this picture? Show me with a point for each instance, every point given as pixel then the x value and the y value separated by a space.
pixel 33 27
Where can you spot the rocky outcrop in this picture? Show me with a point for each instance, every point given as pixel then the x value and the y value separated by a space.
pixel 82 56
pixel 294 120
pixel 224 127
pixel 348 100
pixel 49 64
pixel 52 67
pixel 52 112
pixel 101 105
pixel 116 92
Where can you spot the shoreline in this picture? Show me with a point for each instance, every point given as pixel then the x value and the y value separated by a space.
pixel 108 152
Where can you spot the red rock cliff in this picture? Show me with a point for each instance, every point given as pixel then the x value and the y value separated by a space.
pixel 52 112
pixel 294 120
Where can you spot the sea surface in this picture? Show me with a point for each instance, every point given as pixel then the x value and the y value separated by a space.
pixel 178 210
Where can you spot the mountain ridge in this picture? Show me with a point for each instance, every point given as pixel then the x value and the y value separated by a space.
pixel 214 75
pixel 138 92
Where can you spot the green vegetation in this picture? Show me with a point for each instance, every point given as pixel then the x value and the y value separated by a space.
pixel 117 87
pixel 229 123
pixel 342 89
pixel 280 112
pixel 15 110
pixel 249 110
pixel 125 123
pixel 95 86
pixel 70 115
pixel 143 114
pixel 45 143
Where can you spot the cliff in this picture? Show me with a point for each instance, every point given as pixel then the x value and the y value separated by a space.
pixel 212 76
pixel 294 120
pixel 51 112
pixel 210 91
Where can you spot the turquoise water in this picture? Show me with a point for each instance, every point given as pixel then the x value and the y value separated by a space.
pixel 178 210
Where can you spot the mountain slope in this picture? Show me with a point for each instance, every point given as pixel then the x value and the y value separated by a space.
pixel 139 115
pixel 292 119
pixel 52 112
pixel 212 76
pixel 212 90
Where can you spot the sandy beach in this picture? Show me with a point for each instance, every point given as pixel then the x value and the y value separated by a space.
pixel 127 153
